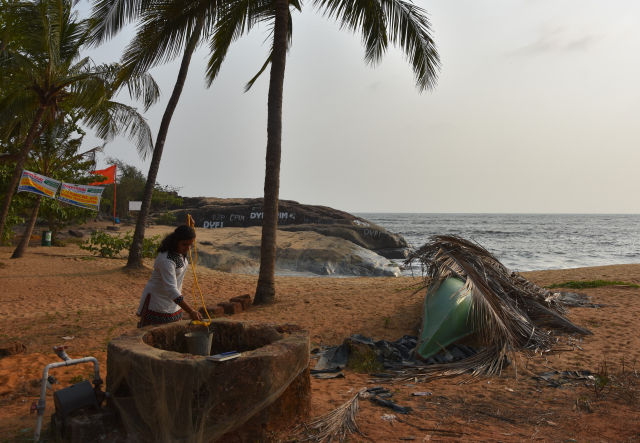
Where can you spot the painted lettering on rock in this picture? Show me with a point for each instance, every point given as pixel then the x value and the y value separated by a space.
pixel 212 225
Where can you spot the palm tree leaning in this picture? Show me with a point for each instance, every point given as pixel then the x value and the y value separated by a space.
pixel 139 56
pixel 44 77
pixel 162 30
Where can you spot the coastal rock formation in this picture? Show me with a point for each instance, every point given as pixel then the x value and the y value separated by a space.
pixel 308 253
pixel 215 213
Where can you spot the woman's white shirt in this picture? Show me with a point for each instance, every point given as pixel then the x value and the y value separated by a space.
pixel 165 284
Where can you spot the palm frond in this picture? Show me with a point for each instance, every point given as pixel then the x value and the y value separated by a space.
pixel 339 423
pixel 512 315
pixel 382 21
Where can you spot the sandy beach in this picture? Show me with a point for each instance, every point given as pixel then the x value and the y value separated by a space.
pixel 60 292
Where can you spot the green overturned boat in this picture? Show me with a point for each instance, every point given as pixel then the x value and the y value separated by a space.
pixel 445 318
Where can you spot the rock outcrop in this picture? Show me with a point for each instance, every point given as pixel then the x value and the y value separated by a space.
pixel 309 253
pixel 215 213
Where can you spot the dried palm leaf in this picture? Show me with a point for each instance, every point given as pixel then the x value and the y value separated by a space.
pixel 513 316
pixel 338 423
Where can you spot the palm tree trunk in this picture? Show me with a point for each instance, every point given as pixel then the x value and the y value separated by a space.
pixel 266 289
pixel 22 246
pixel 135 253
pixel 17 172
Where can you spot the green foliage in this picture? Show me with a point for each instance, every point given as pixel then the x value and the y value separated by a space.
pixel 575 284
pixel 165 196
pixel 362 359
pixel 106 245
pixel 166 219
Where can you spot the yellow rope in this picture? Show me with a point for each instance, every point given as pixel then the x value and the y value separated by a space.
pixel 192 223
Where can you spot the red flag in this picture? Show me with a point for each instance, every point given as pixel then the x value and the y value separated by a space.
pixel 110 173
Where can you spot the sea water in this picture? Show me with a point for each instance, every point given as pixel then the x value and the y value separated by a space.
pixel 527 242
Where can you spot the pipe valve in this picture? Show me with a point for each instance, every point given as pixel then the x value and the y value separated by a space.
pixel 60 352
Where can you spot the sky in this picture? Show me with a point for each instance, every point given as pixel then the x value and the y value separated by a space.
pixel 536 110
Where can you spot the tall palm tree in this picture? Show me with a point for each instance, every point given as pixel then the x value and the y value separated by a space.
pixel 380 22
pixel 44 76
pixel 56 153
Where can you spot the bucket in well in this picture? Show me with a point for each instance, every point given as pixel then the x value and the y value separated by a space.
pixel 199 343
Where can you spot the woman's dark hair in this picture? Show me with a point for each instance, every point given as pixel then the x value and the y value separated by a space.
pixel 170 242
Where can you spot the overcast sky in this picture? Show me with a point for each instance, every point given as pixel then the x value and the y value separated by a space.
pixel 536 110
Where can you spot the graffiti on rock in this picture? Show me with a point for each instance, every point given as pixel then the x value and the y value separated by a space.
pixel 212 225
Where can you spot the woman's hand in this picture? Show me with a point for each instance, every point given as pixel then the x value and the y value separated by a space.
pixel 195 316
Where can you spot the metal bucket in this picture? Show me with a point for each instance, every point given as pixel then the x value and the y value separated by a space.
pixel 199 343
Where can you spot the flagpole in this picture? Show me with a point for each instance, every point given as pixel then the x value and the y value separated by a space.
pixel 115 176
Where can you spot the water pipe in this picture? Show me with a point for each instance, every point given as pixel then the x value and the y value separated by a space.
pixel 67 361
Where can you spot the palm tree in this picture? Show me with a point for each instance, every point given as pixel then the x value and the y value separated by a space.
pixel 379 21
pixel 44 76
pixel 56 153
pixel 139 56
pixel 162 31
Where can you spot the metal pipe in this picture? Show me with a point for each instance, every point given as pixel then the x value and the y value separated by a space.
pixel 40 407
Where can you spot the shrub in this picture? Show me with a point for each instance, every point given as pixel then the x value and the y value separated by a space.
pixel 110 246
pixel 104 244
pixel 166 219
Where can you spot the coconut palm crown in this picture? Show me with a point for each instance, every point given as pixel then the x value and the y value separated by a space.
pixel 44 76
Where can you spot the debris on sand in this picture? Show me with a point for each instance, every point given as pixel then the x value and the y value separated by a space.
pixel 508 315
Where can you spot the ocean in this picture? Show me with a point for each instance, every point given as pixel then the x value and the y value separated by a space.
pixel 529 242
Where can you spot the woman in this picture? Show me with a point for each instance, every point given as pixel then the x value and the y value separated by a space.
pixel 162 301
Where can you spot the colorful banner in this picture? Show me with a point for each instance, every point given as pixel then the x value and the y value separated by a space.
pixel 38 184
pixel 84 196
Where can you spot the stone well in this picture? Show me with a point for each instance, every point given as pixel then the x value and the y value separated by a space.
pixel 165 394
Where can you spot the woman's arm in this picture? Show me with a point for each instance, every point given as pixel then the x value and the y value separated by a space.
pixel 186 308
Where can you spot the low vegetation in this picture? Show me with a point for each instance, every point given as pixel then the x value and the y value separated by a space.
pixel 106 245
pixel 577 284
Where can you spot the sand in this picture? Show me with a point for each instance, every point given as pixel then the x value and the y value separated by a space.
pixel 64 292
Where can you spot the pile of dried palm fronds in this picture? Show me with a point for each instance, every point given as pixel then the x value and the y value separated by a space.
pixel 338 423
pixel 512 315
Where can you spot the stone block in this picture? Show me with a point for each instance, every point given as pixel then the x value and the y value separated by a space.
pixel 245 302
pixel 231 308
pixel 214 311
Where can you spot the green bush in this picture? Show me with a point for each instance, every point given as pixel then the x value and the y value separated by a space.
pixel 166 219
pixel 106 245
